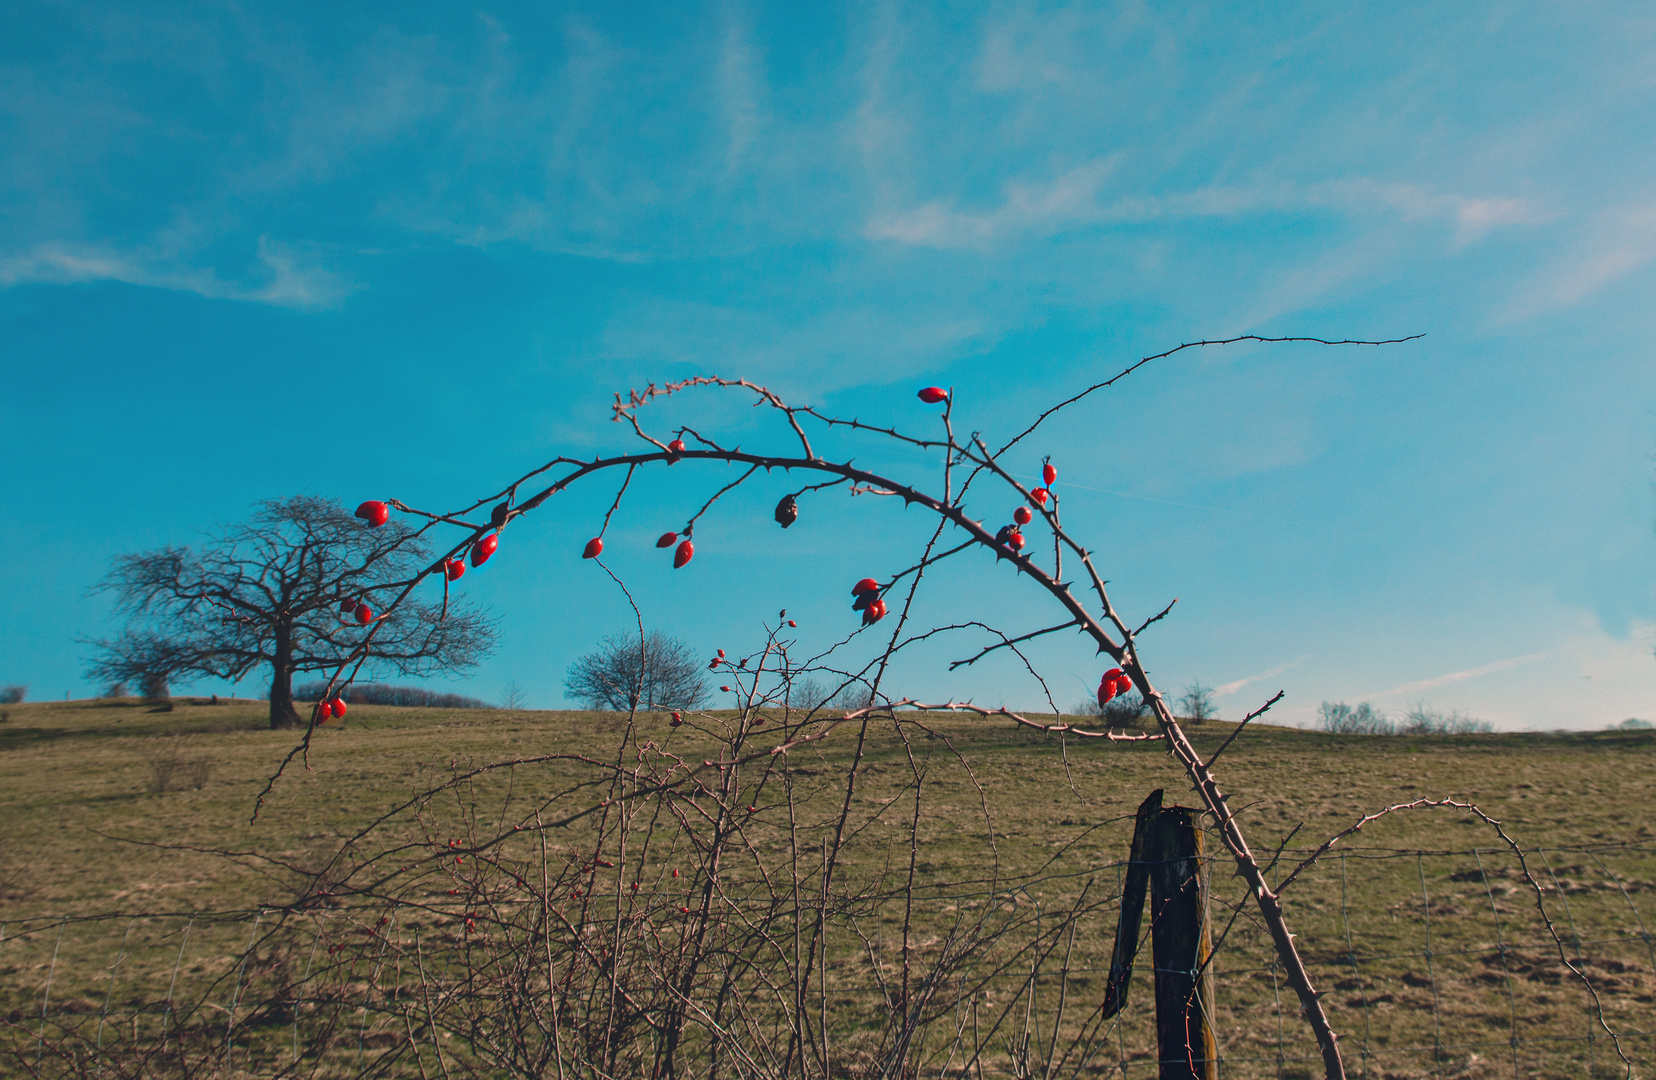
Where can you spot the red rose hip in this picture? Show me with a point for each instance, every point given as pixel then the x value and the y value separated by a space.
pixel 485 547
pixel 453 568
pixel 1022 515
pixel 931 395
pixel 667 540
pixel 866 585
pixel 337 706
pixel 686 551
pixel 1048 474
pixel 364 614
pixel 1038 496
pixel 594 548
pixel 374 512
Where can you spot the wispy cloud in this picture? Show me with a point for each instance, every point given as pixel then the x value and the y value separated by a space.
pixel 1621 241
pixel 288 281
pixel 1078 197
pixel 1461 676
pixel 1233 687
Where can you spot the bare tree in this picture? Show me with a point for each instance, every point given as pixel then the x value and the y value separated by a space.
pixel 620 675
pixel 513 698
pixel 1197 702
pixel 13 695
pixel 295 587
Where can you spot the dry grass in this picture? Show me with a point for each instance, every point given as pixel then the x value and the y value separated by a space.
pixel 81 822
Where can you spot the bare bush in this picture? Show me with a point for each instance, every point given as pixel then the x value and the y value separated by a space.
pixel 1421 720
pixel 629 672
pixel 1196 703
pixel 1122 711
pixel 13 695
pixel 1338 718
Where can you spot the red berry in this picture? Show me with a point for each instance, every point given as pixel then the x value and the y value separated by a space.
pixel 337 707
pixel 724 689
pixel 374 512
pixel 1022 515
pixel 1124 683
pixel 1112 674
pixel 594 548
pixel 876 611
pixel 453 568
pixel 792 623
pixel 635 886
pixel 1048 474
pixel 667 540
pixel 1106 691
pixel 1039 496
pixel 1015 541
pixel 676 446
pixel 931 395
pixel 485 547
pixel 364 614
pixel 686 551
pixel 347 605
pixel 721 654
pixel 675 871
pixel 866 585
pixel 684 911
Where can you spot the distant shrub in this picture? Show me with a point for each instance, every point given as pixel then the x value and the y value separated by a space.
pixel 1341 719
pixel 1423 721
pixel 1197 703
pixel 1338 718
pixel 1633 723
pixel 1126 710
pixel 381 694
pixel 13 695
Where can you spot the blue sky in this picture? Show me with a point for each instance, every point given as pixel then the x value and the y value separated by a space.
pixel 252 251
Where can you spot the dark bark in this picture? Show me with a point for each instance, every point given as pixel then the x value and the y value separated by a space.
pixel 282 712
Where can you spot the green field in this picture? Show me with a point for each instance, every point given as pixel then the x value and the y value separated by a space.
pixel 118 895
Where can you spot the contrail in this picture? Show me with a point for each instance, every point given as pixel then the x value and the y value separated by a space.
pixel 1469 673
pixel 1233 687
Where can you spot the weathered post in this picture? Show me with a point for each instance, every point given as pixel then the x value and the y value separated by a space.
pixel 1166 856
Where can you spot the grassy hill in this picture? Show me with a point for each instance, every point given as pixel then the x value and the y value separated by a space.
pixel 1405 930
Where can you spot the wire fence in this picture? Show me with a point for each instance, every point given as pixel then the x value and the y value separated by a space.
pixel 1433 963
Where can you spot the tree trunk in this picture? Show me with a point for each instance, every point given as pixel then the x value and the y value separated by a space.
pixel 282 713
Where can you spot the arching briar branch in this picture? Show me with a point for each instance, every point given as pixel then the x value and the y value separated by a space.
pixel 1110 633
pixel 1523 866
pixel 1112 380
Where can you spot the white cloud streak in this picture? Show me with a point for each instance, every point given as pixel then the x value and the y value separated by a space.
pixel 1233 687
pixel 289 282
pixel 1462 676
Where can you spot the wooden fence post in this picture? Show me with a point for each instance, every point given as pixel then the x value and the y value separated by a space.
pixel 1167 856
